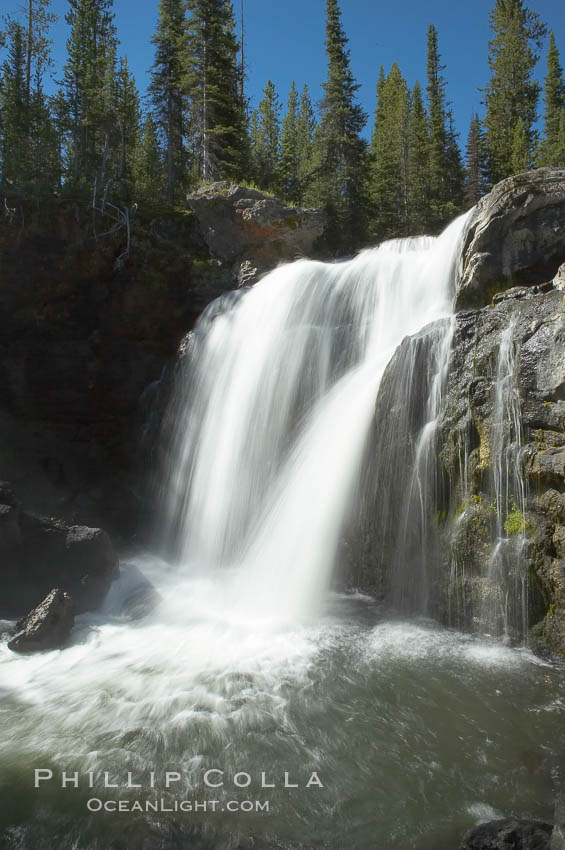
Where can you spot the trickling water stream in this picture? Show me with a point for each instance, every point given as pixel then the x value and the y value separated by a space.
pixel 507 569
pixel 248 665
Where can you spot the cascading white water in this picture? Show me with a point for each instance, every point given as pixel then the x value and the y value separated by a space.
pixel 275 410
pixel 507 570
pixel 271 420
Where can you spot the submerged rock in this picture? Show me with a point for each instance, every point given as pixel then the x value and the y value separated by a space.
pixel 48 626
pixel 515 237
pixel 508 834
pixel 134 596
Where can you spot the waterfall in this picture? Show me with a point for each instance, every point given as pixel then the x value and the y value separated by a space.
pixel 274 406
pixel 506 604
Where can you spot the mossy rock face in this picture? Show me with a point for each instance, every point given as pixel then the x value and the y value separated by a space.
pixel 471 540
pixel 466 452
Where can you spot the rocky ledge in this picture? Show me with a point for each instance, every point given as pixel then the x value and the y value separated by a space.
pixel 252 232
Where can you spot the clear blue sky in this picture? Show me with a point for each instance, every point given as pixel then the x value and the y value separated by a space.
pixel 285 41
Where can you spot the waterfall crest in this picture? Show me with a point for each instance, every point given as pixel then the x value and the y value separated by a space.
pixel 274 407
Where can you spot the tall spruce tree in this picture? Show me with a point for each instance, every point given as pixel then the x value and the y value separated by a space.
pixel 340 149
pixel 418 162
pixel 167 95
pixel 475 163
pixel 511 95
pixel 214 86
pixel 389 158
pixel 445 167
pixel 521 150
pixel 554 102
pixel 266 140
pixel 149 174
pixel 15 109
pixel 455 172
pixel 39 19
pixel 438 134
pixel 290 156
pixel 29 146
pixel 305 131
pixel 128 114
pixel 88 77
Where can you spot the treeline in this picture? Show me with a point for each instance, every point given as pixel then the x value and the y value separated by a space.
pixel 195 126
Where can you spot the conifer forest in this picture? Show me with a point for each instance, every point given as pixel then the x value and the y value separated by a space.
pixel 196 125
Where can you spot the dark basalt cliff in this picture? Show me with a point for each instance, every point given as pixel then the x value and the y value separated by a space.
pixel 90 315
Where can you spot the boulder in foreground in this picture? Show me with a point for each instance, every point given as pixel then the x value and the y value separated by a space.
pixel 508 834
pixel 48 626
pixel 39 553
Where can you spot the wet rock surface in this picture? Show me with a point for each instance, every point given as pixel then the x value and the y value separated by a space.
pixel 48 626
pixel 466 424
pixel 509 834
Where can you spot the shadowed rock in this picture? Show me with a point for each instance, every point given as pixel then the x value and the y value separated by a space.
pixel 48 626
pixel 508 834
pixel 40 552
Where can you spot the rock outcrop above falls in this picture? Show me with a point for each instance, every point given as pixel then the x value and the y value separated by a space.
pixel 515 237
pixel 252 232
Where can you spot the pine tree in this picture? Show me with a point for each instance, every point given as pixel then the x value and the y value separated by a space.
pixel 511 94
pixel 305 131
pixel 520 160
pixel 290 157
pixel 45 148
pixel 214 85
pixel 149 174
pixel 339 147
pixel 554 101
pixel 39 19
pixel 128 118
pixel 266 140
pixel 15 109
pixel 167 93
pixel 445 167
pixel 454 173
pixel 84 101
pixel 388 158
pixel 418 163
pixel 29 143
pixel 475 163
